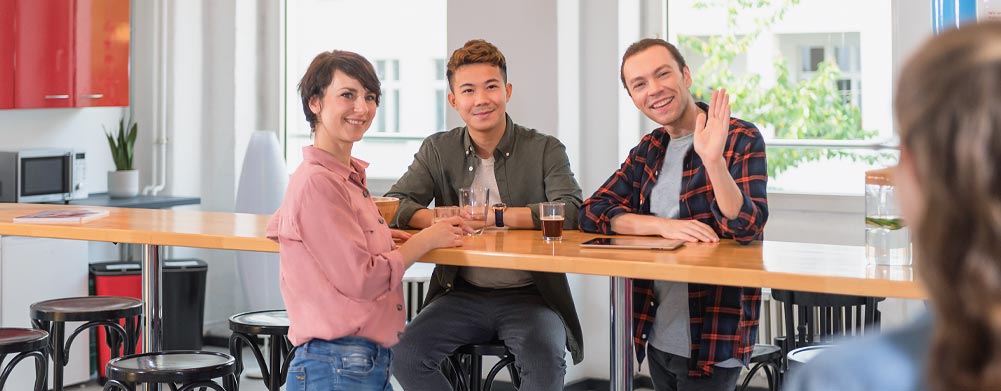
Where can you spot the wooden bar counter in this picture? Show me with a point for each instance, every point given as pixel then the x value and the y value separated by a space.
pixel 794 266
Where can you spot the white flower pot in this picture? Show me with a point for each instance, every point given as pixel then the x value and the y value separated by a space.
pixel 123 184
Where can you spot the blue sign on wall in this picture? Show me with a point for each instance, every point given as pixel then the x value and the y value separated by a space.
pixel 946 14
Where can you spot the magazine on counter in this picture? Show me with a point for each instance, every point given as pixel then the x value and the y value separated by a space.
pixel 62 216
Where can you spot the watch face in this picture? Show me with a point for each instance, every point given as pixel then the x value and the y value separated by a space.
pixel 499 206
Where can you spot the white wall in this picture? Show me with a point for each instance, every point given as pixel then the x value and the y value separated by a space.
pixel 525 31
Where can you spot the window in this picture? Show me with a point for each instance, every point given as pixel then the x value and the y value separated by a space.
pixel 389 76
pixel 796 70
pixel 441 88
pixel 405 46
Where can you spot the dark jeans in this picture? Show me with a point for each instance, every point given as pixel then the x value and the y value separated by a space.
pixel 529 328
pixel 670 373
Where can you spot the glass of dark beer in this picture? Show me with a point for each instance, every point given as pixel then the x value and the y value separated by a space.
pixel 551 214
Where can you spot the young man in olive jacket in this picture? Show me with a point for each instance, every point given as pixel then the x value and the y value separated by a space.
pixel 531 312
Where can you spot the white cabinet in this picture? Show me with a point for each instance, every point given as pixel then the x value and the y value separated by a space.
pixel 35 269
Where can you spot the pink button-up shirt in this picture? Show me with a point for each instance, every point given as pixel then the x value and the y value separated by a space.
pixel 340 274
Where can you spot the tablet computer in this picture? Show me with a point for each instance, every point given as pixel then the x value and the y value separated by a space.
pixel 646 243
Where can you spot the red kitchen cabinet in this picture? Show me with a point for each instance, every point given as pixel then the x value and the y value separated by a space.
pixel 102 53
pixel 43 47
pixel 6 54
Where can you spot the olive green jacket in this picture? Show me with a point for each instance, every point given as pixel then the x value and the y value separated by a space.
pixel 530 167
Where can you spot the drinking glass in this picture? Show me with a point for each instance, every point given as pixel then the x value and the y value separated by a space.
pixel 444 212
pixel 551 214
pixel 473 205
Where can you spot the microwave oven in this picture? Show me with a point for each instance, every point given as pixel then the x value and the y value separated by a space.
pixel 42 175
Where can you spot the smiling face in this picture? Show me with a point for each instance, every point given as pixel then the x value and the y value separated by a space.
pixel 480 95
pixel 345 112
pixel 657 86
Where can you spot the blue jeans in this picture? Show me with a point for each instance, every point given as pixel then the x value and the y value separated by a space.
pixel 348 363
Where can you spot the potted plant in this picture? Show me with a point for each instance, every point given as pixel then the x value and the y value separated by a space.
pixel 124 181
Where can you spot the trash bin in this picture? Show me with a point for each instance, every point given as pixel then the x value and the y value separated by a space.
pixel 183 300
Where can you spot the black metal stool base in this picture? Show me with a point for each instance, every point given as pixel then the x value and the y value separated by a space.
pixel 98 312
pixel 467 366
pixel 274 324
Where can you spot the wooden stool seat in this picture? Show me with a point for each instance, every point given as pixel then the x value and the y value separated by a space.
pixel 260 322
pixel 85 309
pixel 14 340
pixel 190 368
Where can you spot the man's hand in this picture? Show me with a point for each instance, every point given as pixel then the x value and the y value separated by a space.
pixel 687 230
pixel 711 132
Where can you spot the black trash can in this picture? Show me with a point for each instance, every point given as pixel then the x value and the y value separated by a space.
pixel 183 299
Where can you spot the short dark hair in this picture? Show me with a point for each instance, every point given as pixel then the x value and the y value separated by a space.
pixel 476 51
pixel 320 74
pixel 645 44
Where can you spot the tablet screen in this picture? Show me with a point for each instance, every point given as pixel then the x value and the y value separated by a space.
pixel 635 243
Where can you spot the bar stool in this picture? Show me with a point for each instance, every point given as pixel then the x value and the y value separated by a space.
pixel 467 364
pixel 190 368
pixel 768 358
pixel 96 311
pixel 26 343
pixel 800 356
pixel 274 324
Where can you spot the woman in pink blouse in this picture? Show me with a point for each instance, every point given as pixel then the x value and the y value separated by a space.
pixel 340 270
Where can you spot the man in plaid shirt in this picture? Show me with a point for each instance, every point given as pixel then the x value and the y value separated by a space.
pixel 699 178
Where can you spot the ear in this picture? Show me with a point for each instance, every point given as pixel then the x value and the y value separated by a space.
pixel 687 74
pixel 509 88
pixel 451 100
pixel 315 105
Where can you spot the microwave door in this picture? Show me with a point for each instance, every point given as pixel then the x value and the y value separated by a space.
pixel 45 178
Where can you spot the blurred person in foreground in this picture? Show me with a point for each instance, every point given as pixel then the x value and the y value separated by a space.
pixel 948 183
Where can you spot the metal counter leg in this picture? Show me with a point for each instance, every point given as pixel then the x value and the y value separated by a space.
pixel 621 378
pixel 152 293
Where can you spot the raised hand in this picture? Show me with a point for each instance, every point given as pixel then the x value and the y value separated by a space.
pixel 711 130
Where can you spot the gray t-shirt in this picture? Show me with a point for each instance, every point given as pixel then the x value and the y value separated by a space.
pixel 488 277
pixel 671 330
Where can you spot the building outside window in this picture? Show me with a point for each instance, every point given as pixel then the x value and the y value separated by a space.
pixel 796 68
pixel 405 46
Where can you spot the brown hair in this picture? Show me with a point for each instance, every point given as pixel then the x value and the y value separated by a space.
pixel 476 51
pixel 320 74
pixel 948 107
pixel 645 44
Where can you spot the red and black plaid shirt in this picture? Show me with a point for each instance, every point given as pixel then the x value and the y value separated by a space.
pixel 724 319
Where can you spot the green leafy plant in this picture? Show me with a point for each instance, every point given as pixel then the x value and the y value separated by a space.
pixel 123 144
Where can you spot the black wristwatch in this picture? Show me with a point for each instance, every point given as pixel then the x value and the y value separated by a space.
pixel 499 209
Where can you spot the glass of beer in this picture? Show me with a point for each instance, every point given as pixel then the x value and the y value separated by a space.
pixel 551 214
pixel 473 205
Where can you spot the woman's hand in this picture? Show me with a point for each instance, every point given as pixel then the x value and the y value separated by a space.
pixel 445 233
pixel 403 236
